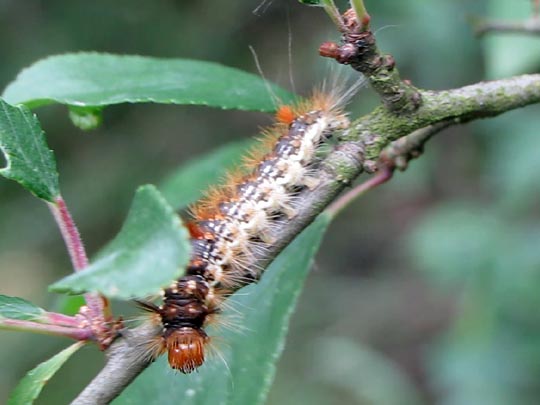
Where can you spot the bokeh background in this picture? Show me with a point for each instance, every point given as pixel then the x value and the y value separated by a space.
pixel 424 291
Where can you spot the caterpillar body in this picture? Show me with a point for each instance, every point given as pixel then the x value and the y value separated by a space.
pixel 237 219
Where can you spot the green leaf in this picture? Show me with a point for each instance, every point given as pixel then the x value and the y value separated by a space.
pixel 310 2
pixel 86 118
pixel 251 353
pixel 69 304
pixel 18 308
pixel 188 182
pixel 93 79
pixel 508 55
pixel 151 250
pixel 29 160
pixel 31 385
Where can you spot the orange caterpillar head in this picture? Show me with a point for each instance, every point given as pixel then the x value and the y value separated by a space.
pixel 185 348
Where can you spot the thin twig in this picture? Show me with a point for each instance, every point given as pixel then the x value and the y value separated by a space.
pixel 482 27
pixel 361 13
pixel 399 153
pixel 29 326
pixel 359 50
pixel 395 156
pixel 98 313
pixel 530 26
pixel 333 12
pixel 70 233
pixel 382 176
pixel 61 319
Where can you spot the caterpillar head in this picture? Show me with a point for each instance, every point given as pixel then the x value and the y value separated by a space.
pixel 185 348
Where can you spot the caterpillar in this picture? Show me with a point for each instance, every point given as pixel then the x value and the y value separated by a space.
pixel 237 219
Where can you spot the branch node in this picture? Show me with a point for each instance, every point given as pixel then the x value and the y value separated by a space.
pixel 359 50
pixel 370 166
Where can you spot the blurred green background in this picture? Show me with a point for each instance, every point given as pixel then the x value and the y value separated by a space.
pixel 425 290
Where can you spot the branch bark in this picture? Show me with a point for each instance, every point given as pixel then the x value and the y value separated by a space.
pixel 125 361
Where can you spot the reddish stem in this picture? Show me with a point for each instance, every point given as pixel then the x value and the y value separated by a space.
pixel 55 318
pixel 70 233
pixel 362 15
pixel 70 332
pixel 72 238
pixel 384 174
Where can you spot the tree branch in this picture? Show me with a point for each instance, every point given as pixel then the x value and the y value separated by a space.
pixel 395 156
pixel 398 154
pixel 359 50
pixel 125 361
pixel 480 100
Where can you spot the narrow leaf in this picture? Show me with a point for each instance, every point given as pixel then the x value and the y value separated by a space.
pixel 18 308
pixel 250 354
pixel 188 182
pixel 151 250
pixel 31 385
pixel 93 79
pixel 29 160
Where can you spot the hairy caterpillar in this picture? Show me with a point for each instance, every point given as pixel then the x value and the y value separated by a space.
pixel 237 219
